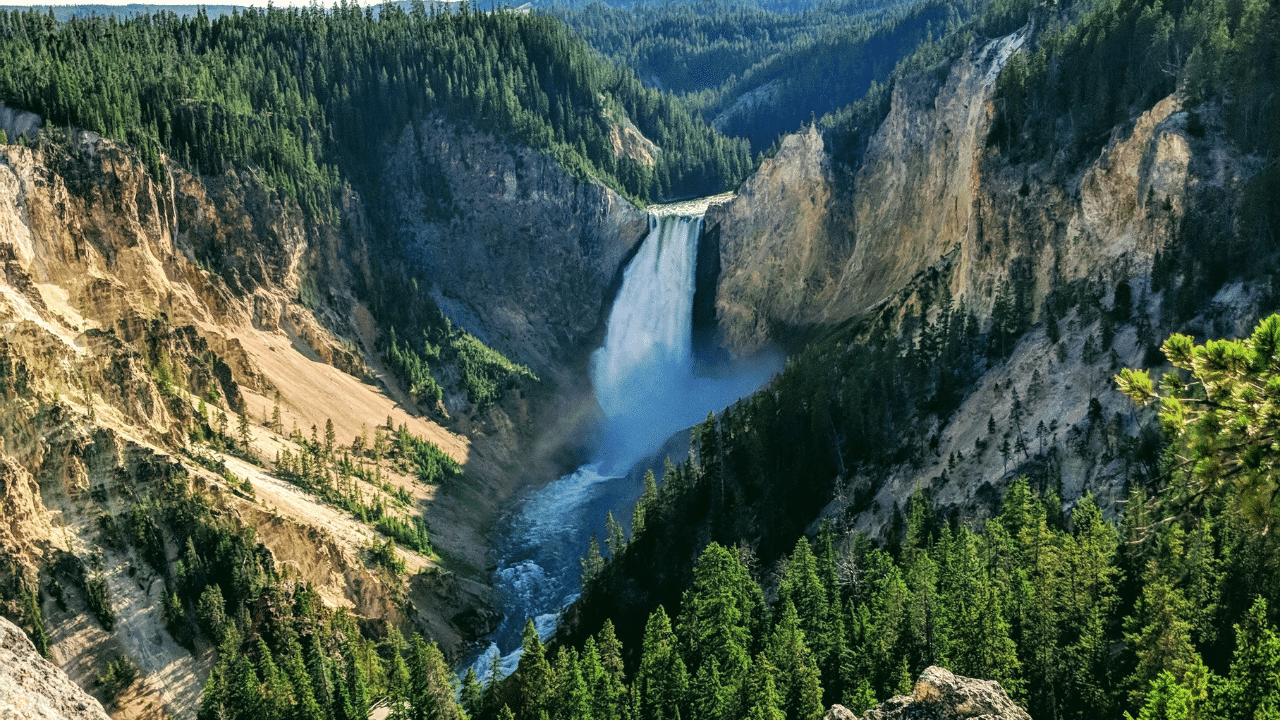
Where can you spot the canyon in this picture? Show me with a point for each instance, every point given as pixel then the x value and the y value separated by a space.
pixel 115 278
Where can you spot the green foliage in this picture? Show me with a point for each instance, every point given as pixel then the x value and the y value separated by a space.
pixel 313 469
pixel 1222 419
pixel 662 681
pixel 432 464
pixel 763 701
pixel 483 373
pixel 412 533
pixel 432 683
pixel 486 373
pixel 788 652
pixel 1100 63
pixel 720 613
pixel 472 696
pixel 98 597
pixel 307 96
pixel 383 554
pixel 1169 699
pixel 412 369
pixel 117 676
pixel 34 617
pixel 1253 685
pixel 534 679
pixel 211 613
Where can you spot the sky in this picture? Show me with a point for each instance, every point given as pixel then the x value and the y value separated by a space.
pixel 257 3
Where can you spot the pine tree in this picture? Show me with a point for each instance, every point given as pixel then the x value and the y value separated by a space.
pixel 614 537
pixel 277 425
pixel 213 697
pixel 305 705
pixel 244 692
pixel 472 696
pixel 709 696
pixel 242 427
pixel 534 680
pixel 802 587
pixel 1216 419
pixel 357 685
pixel 1159 635
pixel 1253 685
pixel 399 683
pixel 833 688
pixel 788 652
pixel 763 701
pixel 720 614
pixel 432 684
pixel 662 681
pixel 648 499
pixel 341 707
pixel 609 689
pixel 593 563
pixel 1171 699
pixel 571 699
pixel 318 670
pixel 276 688
pixel 492 681
pixel 35 620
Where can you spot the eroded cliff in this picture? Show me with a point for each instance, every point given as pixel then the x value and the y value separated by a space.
pixel 1085 267
pixel 511 243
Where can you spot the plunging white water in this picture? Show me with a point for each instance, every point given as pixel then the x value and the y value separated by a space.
pixel 645 383
pixel 646 364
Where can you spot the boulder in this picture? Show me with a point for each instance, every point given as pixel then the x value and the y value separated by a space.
pixel 940 695
pixel 839 712
pixel 32 688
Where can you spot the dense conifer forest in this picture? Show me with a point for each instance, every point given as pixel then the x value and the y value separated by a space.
pixel 307 96
pixel 707 605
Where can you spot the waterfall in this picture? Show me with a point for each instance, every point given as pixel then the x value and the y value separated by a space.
pixel 646 363
pixel 645 384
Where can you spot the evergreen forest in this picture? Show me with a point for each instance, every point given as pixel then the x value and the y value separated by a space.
pixel 721 597
pixel 307 96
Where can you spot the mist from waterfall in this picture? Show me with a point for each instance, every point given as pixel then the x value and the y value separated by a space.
pixel 645 382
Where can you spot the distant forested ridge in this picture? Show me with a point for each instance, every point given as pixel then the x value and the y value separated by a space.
pixel 308 96
pixel 760 70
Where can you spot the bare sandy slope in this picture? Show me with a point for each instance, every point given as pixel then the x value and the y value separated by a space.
pixel 171 677
pixel 294 502
pixel 312 391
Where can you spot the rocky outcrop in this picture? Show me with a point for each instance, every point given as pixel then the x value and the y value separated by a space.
pixel 806 241
pixel 17 123
pixel 783 240
pixel 939 695
pixel 921 180
pixel 32 688
pixel 839 712
pixel 514 248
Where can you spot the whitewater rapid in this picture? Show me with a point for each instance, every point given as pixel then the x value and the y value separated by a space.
pixel 645 383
